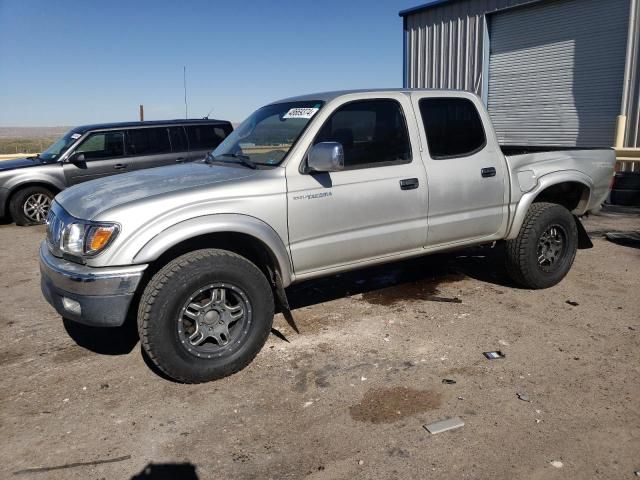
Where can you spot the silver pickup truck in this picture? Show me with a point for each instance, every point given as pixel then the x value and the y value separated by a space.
pixel 202 253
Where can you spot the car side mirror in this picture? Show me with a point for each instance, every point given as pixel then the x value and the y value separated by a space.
pixel 77 158
pixel 326 157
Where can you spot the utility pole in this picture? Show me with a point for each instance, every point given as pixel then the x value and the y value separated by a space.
pixel 142 113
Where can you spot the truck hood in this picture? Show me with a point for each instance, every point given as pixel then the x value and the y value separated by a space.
pixel 88 199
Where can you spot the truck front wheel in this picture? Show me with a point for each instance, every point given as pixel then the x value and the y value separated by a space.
pixel 205 315
pixel 543 252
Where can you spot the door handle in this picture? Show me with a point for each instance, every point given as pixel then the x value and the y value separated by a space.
pixel 409 184
pixel 180 160
pixel 120 166
pixel 488 172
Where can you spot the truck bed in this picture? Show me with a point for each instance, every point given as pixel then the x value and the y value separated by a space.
pixel 511 150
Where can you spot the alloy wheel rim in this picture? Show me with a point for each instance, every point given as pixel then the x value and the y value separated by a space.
pixel 36 207
pixel 214 320
pixel 551 247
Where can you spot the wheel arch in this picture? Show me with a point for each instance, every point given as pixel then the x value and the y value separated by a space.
pixel 13 191
pixel 572 190
pixel 242 234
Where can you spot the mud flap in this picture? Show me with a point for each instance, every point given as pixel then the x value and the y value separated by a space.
pixel 584 241
pixel 281 296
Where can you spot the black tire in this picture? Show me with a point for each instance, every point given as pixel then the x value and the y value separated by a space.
pixel 20 206
pixel 523 254
pixel 163 307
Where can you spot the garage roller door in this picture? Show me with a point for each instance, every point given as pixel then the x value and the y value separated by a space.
pixel 556 70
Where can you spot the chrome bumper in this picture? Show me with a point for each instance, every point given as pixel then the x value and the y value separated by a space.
pixel 93 296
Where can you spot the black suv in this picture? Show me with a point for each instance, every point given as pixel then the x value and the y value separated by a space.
pixel 27 185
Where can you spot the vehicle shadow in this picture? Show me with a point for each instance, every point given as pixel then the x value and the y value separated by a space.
pixel 415 278
pixel 106 341
pixel 167 471
pixel 418 278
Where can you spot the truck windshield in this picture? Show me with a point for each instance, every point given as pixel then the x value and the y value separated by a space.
pixel 58 148
pixel 267 135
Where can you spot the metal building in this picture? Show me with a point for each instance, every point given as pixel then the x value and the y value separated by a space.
pixel 552 72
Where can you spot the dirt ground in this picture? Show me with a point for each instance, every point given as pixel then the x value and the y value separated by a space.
pixel 348 396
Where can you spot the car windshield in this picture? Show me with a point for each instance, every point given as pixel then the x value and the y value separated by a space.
pixel 58 148
pixel 267 135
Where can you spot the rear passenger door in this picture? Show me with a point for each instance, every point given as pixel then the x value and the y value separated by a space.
pixel 466 175
pixel 149 147
pixel 104 154
pixel 204 138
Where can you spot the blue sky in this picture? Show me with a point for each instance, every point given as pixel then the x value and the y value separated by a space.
pixel 71 62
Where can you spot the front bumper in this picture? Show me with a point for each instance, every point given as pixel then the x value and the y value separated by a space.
pixel 94 296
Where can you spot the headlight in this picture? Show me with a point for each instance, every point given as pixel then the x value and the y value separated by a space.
pixel 87 238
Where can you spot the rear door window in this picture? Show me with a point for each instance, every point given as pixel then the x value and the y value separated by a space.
pixel 205 137
pixel 148 141
pixel 453 127
pixel 178 139
pixel 102 145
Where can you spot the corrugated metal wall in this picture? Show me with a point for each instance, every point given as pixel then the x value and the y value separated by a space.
pixel 446 45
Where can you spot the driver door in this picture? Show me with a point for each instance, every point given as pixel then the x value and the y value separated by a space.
pixel 104 155
pixel 377 206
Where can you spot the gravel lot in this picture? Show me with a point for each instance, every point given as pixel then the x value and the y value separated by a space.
pixel 348 397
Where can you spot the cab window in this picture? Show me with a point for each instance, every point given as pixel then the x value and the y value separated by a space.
pixel 373 133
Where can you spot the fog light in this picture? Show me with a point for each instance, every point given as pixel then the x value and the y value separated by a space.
pixel 71 306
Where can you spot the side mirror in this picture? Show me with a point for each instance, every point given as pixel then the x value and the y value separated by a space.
pixel 326 157
pixel 77 158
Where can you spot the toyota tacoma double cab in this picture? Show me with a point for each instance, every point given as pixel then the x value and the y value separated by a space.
pixel 202 253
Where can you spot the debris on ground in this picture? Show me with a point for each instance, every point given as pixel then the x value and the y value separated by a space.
pixel 572 303
pixel 444 299
pixel 72 465
pixel 494 355
pixel 637 473
pixel 524 397
pixel 557 464
pixel 444 425
pixel 448 381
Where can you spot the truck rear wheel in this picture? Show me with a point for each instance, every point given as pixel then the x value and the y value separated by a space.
pixel 543 252
pixel 205 315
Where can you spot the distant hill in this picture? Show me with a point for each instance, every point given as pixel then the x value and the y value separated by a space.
pixel 32 132
pixel 28 139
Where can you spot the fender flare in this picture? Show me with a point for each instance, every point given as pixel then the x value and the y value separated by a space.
pixel 545 182
pixel 219 223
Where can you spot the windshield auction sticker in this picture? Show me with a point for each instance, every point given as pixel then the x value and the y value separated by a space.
pixel 300 113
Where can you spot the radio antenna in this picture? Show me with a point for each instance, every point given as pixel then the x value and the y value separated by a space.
pixel 207 115
pixel 184 82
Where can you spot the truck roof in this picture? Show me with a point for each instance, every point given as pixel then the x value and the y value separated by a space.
pixel 151 123
pixel 328 96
